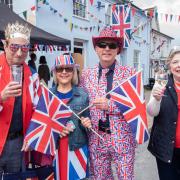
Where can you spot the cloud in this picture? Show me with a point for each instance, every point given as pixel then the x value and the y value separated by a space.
pixel 165 6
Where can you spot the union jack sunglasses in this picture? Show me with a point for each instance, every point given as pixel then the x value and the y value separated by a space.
pixel 15 47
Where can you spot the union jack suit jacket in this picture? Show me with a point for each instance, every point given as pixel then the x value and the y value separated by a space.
pixel 30 95
pixel 121 135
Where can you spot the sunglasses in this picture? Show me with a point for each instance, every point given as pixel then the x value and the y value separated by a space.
pixel 105 44
pixel 15 47
pixel 67 69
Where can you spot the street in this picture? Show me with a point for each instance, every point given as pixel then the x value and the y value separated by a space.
pixel 145 165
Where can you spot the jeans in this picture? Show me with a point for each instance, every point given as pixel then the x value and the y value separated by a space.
pixel 11 157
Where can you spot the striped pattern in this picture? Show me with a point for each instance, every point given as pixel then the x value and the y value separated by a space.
pixel 63 60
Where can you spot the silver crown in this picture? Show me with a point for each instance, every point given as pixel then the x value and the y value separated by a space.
pixel 16 30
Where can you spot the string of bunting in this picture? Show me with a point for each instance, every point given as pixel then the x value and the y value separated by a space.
pixel 48 48
pixel 139 43
pixel 158 48
pixel 72 25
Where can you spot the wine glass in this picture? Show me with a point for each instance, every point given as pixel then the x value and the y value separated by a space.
pixel 161 77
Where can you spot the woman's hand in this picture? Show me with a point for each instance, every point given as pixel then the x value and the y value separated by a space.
pixel 86 122
pixel 158 91
pixel 101 103
pixel 66 130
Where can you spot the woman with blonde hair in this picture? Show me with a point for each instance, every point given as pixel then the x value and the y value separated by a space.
pixel 164 106
pixel 74 136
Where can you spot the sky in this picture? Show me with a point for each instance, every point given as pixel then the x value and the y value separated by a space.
pixel 165 7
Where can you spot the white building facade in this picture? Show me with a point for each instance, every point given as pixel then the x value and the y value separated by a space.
pixel 78 21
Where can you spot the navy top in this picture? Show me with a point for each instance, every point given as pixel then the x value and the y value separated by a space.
pixel 17 117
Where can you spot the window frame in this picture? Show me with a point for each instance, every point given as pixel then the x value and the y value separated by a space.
pixel 80 13
pixel 136 64
pixel 8 2
pixel 108 16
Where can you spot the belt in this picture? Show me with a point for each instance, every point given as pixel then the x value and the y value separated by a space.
pixel 105 129
pixel 14 135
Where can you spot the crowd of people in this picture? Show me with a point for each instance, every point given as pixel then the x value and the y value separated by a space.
pixel 117 143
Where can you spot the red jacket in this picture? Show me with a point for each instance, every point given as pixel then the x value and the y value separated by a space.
pixel 30 96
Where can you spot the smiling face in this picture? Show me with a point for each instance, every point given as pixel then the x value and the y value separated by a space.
pixel 106 53
pixel 16 50
pixel 64 75
pixel 175 66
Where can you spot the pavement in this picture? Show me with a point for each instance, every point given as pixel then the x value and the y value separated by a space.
pixel 145 163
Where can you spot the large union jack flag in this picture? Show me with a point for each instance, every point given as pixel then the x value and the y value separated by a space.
pixel 71 165
pixel 46 123
pixel 129 97
pixel 121 22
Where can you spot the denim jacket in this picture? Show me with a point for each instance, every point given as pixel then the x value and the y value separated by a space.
pixel 77 103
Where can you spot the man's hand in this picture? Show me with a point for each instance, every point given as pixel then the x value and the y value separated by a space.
pixel 101 103
pixel 13 89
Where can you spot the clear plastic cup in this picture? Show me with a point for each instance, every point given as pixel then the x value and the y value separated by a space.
pixel 17 73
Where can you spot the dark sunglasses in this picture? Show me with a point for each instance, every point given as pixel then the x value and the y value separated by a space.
pixel 67 69
pixel 15 47
pixel 105 44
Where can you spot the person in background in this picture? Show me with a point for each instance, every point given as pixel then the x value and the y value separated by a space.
pixel 17 101
pixel 31 62
pixel 164 106
pixel 119 144
pixel 43 70
pixel 74 136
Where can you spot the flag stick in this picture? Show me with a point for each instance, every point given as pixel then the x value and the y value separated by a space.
pixel 110 91
pixel 71 110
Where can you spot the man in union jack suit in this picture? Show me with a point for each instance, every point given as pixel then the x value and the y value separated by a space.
pixel 18 96
pixel 119 144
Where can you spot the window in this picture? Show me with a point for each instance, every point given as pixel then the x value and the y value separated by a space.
pixel 108 16
pixel 136 24
pixel 8 2
pixel 136 59
pixel 79 8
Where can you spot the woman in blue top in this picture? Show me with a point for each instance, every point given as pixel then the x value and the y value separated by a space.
pixel 72 155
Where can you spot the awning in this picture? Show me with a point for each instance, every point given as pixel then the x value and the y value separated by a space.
pixel 38 36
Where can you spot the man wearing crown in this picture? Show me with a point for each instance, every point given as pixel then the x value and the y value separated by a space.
pixel 17 99
pixel 106 118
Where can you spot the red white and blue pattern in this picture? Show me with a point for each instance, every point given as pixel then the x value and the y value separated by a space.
pixel 64 60
pixel 121 138
pixel 71 165
pixel 121 22
pixel 34 88
pixel 46 123
pixel 129 97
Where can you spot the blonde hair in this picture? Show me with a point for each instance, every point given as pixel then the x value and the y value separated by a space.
pixel 75 78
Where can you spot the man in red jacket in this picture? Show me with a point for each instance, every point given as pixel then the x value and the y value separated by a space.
pixel 17 101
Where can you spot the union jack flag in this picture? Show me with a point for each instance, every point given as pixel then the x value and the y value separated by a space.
pixel 71 165
pixel 129 97
pixel 121 19
pixel 46 123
